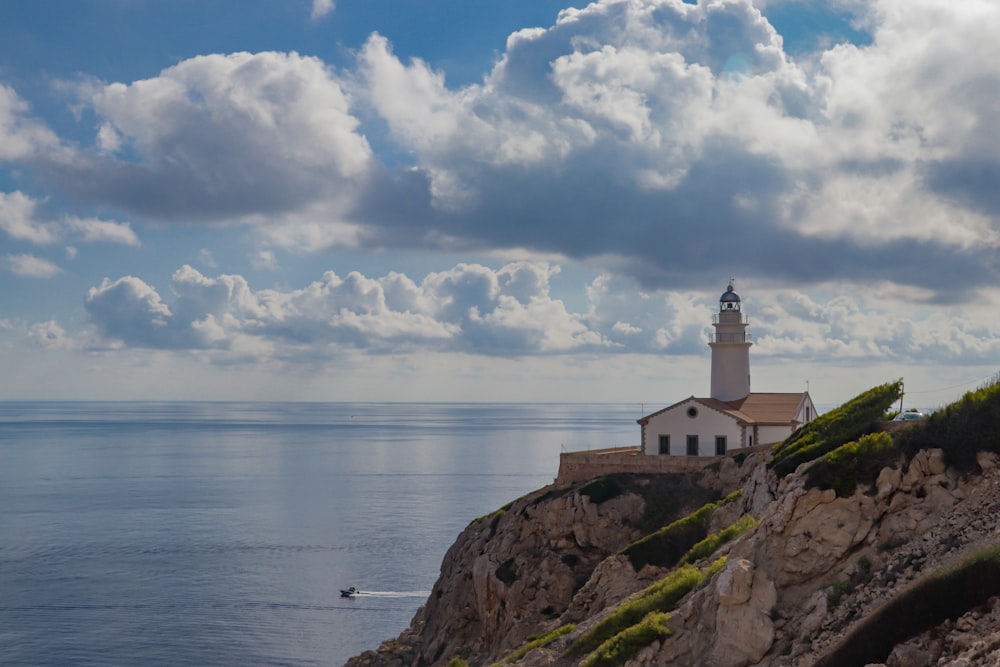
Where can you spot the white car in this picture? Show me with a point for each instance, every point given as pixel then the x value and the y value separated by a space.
pixel 910 415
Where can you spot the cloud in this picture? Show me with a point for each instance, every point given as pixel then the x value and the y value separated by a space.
pixel 509 312
pixel 18 220
pixel 20 135
pixel 50 335
pixel 29 266
pixel 468 308
pixel 321 8
pixel 264 259
pixel 92 231
pixel 666 141
pixel 240 135
pixel 22 220
pixel 630 129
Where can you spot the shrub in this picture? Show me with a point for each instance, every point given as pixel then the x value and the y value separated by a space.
pixel 942 595
pixel 852 464
pixel 961 429
pixel 628 642
pixel 711 544
pixel 661 596
pixel 457 662
pixel 666 546
pixel 857 417
pixel 536 642
pixel 602 489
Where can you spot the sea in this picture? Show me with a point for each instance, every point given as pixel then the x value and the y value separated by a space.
pixel 193 533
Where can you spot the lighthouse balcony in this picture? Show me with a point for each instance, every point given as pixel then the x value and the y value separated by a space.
pixel 730 317
pixel 741 337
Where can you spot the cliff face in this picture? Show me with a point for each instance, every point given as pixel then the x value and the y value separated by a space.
pixel 801 587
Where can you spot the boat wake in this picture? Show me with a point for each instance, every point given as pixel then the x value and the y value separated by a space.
pixel 392 594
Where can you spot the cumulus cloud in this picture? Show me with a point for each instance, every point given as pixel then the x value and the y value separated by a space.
pixel 668 141
pixel 509 312
pixel 51 335
pixel 240 135
pixel 672 134
pixel 321 8
pixel 91 231
pixel 469 308
pixel 20 135
pixel 29 266
pixel 21 219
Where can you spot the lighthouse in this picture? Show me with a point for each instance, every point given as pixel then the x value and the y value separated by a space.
pixel 730 349
pixel 732 417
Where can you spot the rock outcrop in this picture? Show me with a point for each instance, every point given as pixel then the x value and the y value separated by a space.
pixel 816 568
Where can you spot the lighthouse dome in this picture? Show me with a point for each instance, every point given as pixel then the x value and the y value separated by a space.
pixel 729 300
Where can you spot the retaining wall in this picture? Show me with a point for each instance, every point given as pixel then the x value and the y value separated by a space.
pixel 581 466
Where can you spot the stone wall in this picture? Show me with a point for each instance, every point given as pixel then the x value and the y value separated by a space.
pixel 581 466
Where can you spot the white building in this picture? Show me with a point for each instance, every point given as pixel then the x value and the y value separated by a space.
pixel 733 417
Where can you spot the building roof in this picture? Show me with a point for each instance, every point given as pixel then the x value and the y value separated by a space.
pixel 757 408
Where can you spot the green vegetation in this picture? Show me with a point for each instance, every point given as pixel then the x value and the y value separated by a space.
pixel 661 596
pixel 946 594
pixel 852 464
pixel 457 662
pixel 711 544
pixel 535 642
pixel 641 620
pixel 602 489
pixel 857 417
pixel 838 590
pixel 628 642
pixel 666 546
pixel 967 426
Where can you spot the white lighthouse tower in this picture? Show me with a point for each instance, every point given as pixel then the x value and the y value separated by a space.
pixel 730 350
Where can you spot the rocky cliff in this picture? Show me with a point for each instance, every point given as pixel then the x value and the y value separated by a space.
pixel 733 566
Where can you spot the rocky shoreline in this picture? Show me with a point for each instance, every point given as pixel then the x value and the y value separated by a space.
pixel 814 569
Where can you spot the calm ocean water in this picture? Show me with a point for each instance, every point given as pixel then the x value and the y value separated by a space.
pixel 221 533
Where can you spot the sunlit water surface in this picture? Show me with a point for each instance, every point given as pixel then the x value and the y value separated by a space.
pixel 221 533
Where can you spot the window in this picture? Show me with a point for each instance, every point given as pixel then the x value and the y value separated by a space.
pixel 692 412
pixel 720 445
pixel 692 445
pixel 664 444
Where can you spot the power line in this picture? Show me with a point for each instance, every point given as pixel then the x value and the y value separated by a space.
pixel 954 386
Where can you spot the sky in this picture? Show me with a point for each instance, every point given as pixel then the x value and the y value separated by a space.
pixel 499 200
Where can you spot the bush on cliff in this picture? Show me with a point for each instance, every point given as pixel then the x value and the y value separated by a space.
pixel 711 544
pixel 962 429
pixel 638 621
pixel 602 489
pixel 535 642
pixel 661 596
pixel 628 642
pixel 854 463
pixel 666 546
pixel 947 594
pixel 859 416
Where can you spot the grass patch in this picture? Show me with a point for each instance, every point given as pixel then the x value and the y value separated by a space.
pixel 535 642
pixel 666 546
pixel 946 594
pixel 640 621
pixel 661 596
pixel 457 662
pixel 851 464
pixel 837 591
pixel 711 544
pixel 961 429
pixel 628 642
pixel 859 416
pixel 602 489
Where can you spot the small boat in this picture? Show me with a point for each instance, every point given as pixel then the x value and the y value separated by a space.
pixel 349 592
